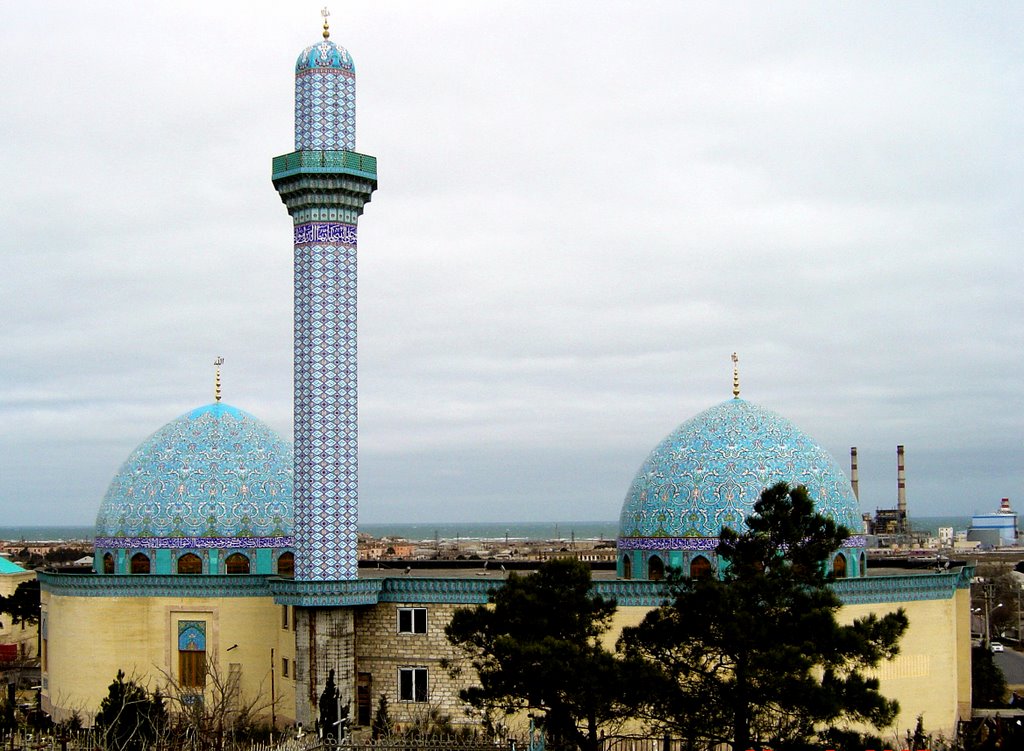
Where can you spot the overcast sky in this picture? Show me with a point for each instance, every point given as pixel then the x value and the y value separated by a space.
pixel 584 208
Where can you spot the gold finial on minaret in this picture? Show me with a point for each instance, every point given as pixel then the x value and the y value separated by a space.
pixel 327 30
pixel 735 376
pixel 216 381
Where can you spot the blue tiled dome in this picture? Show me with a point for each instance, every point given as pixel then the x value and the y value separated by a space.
pixel 325 54
pixel 214 478
pixel 709 472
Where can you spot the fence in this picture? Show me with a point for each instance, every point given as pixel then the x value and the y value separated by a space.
pixel 398 743
pixel 89 740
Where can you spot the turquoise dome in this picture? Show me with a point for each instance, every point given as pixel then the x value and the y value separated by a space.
pixel 214 478
pixel 709 472
pixel 325 54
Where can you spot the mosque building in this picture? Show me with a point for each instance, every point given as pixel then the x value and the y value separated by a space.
pixel 226 559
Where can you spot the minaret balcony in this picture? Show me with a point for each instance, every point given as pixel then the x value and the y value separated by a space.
pixel 325 162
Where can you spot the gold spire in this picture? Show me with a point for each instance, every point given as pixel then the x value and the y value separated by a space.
pixel 327 30
pixel 735 376
pixel 216 381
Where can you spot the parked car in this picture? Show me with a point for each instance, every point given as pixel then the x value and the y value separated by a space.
pixel 997 647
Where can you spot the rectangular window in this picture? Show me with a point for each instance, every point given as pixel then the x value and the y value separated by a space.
pixel 412 684
pixel 233 691
pixel 192 669
pixel 284 666
pixel 412 620
pixel 284 616
pixel 192 654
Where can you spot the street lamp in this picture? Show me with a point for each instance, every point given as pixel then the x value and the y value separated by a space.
pixel 988 626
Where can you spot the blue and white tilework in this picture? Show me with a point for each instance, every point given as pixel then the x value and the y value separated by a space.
pixel 192 636
pixel 326 419
pixel 710 471
pixel 325 232
pixel 214 477
pixel 325 99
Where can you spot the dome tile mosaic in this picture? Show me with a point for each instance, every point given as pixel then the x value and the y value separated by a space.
pixel 709 472
pixel 325 54
pixel 216 477
pixel 325 98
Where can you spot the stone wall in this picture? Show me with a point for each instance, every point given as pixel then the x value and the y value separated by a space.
pixel 381 651
pixel 324 639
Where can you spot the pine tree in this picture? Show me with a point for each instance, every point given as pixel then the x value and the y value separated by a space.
pixel 988 684
pixel 329 710
pixel 23 605
pixel 382 726
pixel 757 657
pixel 537 647
pixel 126 715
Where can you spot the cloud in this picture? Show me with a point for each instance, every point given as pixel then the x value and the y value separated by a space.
pixel 580 216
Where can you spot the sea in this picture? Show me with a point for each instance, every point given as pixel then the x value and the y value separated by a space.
pixel 422 531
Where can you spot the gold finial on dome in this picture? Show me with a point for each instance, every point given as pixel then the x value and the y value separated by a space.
pixel 735 376
pixel 216 381
pixel 327 31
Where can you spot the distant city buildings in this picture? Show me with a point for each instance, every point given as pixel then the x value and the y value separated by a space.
pixel 997 529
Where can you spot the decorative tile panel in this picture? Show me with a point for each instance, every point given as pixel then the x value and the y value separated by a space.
pixel 325 232
pixel 191 636
pixel 869 589
pixel 699 543
pixel 326 414
pixel 154 585
pixel 325 99
pixel 195 543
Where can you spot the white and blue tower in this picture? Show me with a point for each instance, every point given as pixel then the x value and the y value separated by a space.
pixel 325 184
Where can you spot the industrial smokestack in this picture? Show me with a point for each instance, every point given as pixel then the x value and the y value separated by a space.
pixel 854 479
pixel 901 483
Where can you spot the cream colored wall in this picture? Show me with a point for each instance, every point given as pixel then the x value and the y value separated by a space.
pixel 926 677
pixel 285 684
pixel 930 677
pixel 962 610
pixel 90 638
pixel 22 634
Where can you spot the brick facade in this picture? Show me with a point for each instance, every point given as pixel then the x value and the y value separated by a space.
pixel 382 651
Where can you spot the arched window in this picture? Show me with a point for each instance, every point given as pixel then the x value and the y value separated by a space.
pixel 192 654
pixel 839 566
pixel 655 568
pixel 108 563
pixel 700 568
pixel 190 563
pixel 140 563
pixel 236 563
pixel 627 567
pixel 286 565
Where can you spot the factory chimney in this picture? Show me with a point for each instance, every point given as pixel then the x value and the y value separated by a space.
pixel 854 479
pixel 901 483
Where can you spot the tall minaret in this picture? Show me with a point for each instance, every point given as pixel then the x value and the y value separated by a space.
pixel 325 184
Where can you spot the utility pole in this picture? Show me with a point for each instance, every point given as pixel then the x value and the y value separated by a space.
pixel 273 697
pixel 988 614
